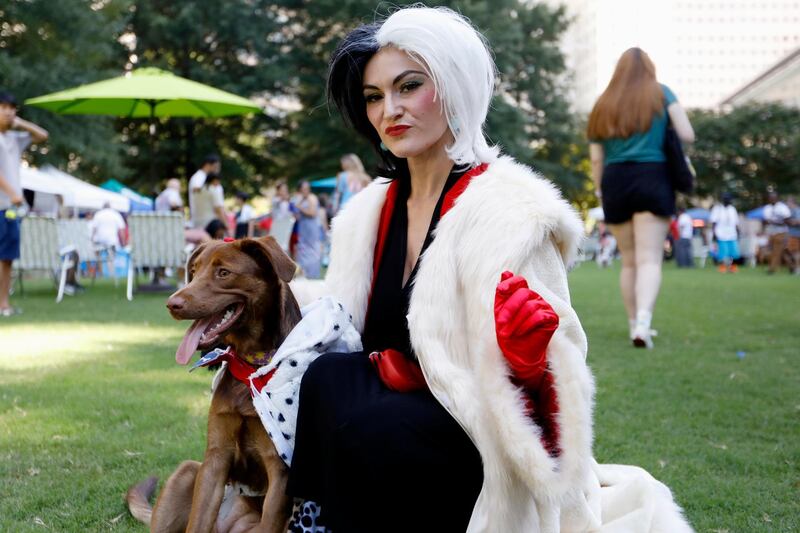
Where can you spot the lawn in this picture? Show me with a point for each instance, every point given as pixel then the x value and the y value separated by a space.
pixel 91 399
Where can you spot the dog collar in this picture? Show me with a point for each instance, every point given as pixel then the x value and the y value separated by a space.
pixel 239 368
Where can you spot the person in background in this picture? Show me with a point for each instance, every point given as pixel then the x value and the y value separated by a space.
pixel 282 216
pixel 205 201
pixel 308 252
pixel 683 244
pixel 776 216
pixel 725 224
pixel 245 216
pixel 108 228
pixel 626 132
pixel 15 136
pixel 170 198
pixel 351 180
pixel 794 234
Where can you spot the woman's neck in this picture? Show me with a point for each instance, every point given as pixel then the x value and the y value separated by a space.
pixel 429 173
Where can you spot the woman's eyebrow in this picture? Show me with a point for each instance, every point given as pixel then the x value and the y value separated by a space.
pixel 398 78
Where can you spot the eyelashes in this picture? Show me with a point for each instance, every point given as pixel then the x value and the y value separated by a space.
pixel 405 87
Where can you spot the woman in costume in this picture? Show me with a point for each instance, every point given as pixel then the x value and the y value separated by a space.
pixel 470 408
pixel 626 129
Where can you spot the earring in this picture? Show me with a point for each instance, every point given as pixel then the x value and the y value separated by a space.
pixel 383 147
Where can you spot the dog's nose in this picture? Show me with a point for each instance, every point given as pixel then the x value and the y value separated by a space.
pixel 175 303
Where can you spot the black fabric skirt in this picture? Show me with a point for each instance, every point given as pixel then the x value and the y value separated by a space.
pixel 379 460
pixel 630 188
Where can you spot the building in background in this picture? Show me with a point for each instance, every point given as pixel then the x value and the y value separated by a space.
pixel 705 50
pixel 780 83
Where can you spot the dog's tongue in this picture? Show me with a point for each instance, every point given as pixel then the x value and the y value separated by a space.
pixel 191 340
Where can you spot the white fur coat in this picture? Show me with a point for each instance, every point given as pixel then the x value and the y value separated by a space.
pixel 508 218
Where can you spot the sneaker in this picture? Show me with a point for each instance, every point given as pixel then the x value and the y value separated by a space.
pixel 722 269
pixel 69 290
pixel 10 311
pixel 642 334
pixel 733 269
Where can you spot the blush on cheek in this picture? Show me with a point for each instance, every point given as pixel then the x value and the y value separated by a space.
pixel 426 100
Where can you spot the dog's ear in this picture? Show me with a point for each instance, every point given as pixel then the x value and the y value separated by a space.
pixel 267 250
pixel 190 263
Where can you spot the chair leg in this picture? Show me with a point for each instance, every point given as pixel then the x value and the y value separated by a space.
pixel 130 280
pixel 62 281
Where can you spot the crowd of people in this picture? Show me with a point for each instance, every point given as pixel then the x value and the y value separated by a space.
pixel 299 221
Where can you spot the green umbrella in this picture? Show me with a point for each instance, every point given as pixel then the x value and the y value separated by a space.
pixel 146 93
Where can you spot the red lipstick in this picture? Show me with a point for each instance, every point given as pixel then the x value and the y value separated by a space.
pixel 394 131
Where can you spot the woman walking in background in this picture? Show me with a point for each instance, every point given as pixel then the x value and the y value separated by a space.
pixel 626 133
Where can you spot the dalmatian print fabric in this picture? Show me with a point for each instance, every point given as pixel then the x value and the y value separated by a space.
pixel 325 328
pixel 305 518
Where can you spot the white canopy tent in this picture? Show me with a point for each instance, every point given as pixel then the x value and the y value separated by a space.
pixel 76 194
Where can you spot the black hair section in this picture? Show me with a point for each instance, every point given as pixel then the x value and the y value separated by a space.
pixel 345 91
pixel 8 98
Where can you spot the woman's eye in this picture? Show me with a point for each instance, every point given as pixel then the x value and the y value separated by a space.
pixel 373 97
pixel 409 86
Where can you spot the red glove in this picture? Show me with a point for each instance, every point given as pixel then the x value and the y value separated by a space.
pixel 397 371
pixel 524 324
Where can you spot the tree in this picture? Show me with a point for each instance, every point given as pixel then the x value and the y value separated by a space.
pixel 530 118
pixel 50 46
pixel 745 150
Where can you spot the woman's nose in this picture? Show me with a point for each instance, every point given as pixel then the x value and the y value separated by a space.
pixel 391 107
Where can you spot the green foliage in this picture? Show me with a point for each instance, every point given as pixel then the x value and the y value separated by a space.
pixel 747 149
pixel 49 46
pixel 277 53
pixel 91 399
pixel 530 118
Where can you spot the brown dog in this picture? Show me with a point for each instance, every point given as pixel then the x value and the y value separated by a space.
pixel 238 295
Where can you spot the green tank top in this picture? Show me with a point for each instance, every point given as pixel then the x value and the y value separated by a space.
pixel 647 147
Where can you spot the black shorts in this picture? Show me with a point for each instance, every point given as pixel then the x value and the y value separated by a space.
pixel 630 188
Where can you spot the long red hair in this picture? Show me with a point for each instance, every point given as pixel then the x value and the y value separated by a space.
pixel 630 101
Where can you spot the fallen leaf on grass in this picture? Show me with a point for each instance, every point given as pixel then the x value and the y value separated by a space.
pixel 720 531
pixel 117 518
pixel 39 522
pixel 129 453
pixel 721 446
pixel 766 518
pixel 662 463
pixel 33 471
pixel 59 437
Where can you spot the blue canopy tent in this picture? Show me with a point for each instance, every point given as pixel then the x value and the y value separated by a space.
pixel 324 184
pixel 138 201
pixel 756 214
pixel 698 213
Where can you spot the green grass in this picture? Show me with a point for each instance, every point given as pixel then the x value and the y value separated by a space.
pixel 91 400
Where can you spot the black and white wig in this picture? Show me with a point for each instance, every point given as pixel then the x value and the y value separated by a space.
pixel 454 55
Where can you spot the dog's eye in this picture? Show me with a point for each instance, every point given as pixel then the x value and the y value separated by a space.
pixel 223 273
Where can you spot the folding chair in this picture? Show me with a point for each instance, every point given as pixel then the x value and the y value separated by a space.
pixel 40 250
pixel 156 241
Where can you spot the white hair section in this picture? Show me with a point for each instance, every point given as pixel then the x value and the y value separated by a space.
pixel 458 60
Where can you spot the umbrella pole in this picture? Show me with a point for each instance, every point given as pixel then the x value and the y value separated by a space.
pixel 152 132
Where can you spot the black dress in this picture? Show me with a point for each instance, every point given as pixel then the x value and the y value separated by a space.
pixel 376 460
